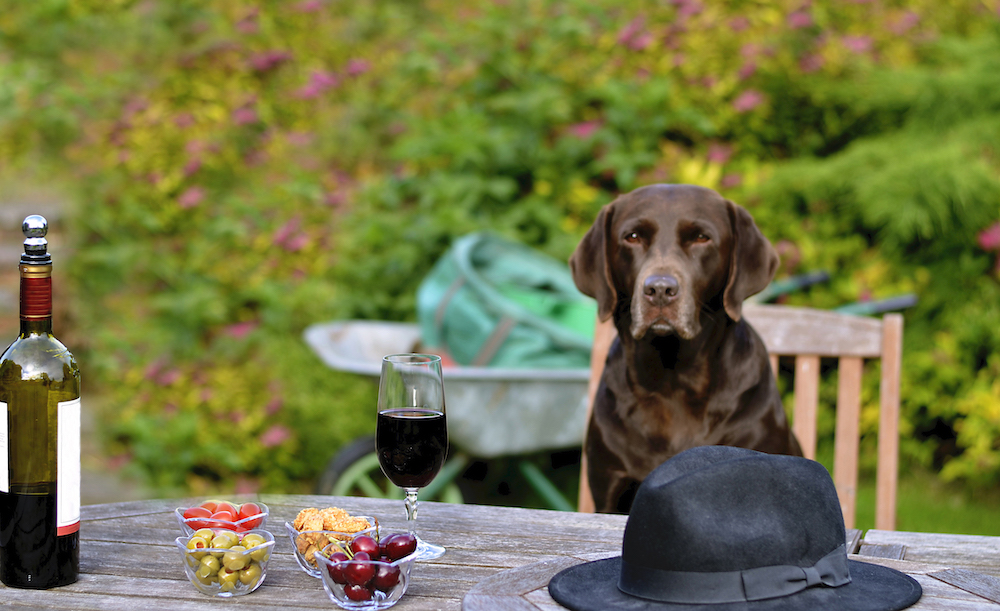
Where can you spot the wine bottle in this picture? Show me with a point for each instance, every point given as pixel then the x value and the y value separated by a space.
pixel 39 436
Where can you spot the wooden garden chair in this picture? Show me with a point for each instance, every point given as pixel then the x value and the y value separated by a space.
pixel 809 335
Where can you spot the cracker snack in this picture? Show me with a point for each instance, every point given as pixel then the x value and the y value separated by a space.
pixel 330 519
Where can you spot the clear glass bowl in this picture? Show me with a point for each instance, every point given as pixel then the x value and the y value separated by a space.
pixel 256 521
pixel 305 543
pixel 384 583
pixel 227 571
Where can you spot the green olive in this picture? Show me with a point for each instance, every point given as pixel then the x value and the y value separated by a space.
pixel 251 574
pixel 207 533
pixel 207 579
pixel 197 542
pixel 228 577
pixel 261 554
pixel 221 542
pixel 236 558
pixel 211 563
pixel 252 540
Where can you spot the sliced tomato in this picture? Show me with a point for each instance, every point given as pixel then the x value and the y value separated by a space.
pixel 224 515
pixel 226 506
pixel 249 510
pixel 197 512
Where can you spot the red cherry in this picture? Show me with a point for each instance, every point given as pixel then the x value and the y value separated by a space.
pixel 386 577
pixel 357 593
pixel 337 570
pixel 384 543
pixel 359 572
pixel 401 545
pixel 364 543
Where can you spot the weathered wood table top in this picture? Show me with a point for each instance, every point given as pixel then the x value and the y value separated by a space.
pixel 498 557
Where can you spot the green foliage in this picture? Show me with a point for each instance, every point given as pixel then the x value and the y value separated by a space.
pixel 243 169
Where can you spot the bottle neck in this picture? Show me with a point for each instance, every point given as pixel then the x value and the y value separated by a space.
pixel 36 299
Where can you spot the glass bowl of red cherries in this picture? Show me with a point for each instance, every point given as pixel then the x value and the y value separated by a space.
pixel 369 572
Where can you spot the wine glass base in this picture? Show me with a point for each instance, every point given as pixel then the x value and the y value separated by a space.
pixel 428 551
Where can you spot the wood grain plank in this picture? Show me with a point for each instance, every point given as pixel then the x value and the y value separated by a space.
pixel 524 579
pixel 887 470
pixel 806 387
pixel 979 584
pixel 129 561
pixel 789 330
pixel 978 553
pixel 853 540
pixel 896 552
pixel 604 335
pixel 846 436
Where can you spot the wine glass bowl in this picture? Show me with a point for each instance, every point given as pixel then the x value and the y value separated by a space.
pixel 411 435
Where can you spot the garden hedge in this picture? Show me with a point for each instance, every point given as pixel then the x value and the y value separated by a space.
pixel 237 170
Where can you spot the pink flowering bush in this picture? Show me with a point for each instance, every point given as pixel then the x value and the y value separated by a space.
pixel 241 169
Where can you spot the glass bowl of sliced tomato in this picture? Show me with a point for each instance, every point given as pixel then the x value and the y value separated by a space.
pixel 215 514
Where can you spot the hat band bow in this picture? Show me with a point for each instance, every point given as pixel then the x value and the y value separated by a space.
pixel 733 586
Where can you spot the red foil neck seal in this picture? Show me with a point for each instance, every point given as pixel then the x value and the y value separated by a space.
pixel 36 292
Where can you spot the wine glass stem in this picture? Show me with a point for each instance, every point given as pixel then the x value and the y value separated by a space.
pixel 411 510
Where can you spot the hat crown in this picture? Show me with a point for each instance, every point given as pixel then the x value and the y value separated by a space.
pixel 716 509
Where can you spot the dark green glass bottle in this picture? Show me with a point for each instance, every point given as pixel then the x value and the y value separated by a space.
pixel 39 436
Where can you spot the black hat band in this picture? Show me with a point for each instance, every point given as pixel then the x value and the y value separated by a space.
pixel 760 583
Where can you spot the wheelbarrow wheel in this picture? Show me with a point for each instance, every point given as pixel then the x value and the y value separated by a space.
pixel 355 471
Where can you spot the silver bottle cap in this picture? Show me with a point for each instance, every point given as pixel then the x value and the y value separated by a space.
pixel 36 246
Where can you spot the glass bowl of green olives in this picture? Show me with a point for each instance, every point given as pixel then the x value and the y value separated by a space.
pixel 308 543
pixel 369 572
pixel 222 514
pixel 222 562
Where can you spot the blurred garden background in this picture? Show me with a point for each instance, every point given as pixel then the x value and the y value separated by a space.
pixel 229 172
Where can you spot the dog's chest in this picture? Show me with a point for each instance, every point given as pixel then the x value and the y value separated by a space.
pixel 659 416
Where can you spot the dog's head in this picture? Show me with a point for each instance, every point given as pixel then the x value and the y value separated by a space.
pixel 672 252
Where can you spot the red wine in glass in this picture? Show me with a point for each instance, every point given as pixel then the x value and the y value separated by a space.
pixel 411 434
pixel 412 445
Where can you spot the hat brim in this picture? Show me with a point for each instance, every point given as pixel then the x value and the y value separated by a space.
pixel 593 586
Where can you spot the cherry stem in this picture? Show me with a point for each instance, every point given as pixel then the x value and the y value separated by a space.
pixel 411 510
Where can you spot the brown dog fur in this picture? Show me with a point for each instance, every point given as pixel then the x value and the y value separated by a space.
pixel 672 264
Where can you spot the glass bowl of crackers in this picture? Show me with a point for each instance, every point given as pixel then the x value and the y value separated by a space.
pixel 313 530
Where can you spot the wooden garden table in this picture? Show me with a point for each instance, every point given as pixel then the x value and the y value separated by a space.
pixel 498 558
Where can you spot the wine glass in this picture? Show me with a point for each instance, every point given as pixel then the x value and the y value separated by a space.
pixel 411 435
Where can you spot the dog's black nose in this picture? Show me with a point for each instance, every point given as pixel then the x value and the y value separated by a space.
pixel 660 289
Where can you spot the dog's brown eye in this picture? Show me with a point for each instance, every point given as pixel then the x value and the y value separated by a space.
pixel 702 238
pixel 632 238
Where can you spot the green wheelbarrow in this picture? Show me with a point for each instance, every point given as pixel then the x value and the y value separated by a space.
pixel 492 412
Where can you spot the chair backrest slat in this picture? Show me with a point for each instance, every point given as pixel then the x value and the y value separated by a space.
pixel 806 402
pixel 846 437
pixel 887 473
pixel 791 330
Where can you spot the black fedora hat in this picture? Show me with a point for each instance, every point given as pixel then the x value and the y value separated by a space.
pixel 718 528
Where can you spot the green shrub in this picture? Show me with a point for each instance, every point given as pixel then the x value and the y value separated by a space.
pixel 243 169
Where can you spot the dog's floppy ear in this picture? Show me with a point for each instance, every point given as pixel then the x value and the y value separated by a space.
pixel 590 267
pixel 752 263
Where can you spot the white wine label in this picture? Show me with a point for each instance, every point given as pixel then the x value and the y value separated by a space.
pixel 4 450
pixel 68 468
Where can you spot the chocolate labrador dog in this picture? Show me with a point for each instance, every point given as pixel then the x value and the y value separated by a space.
pixel 672 264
